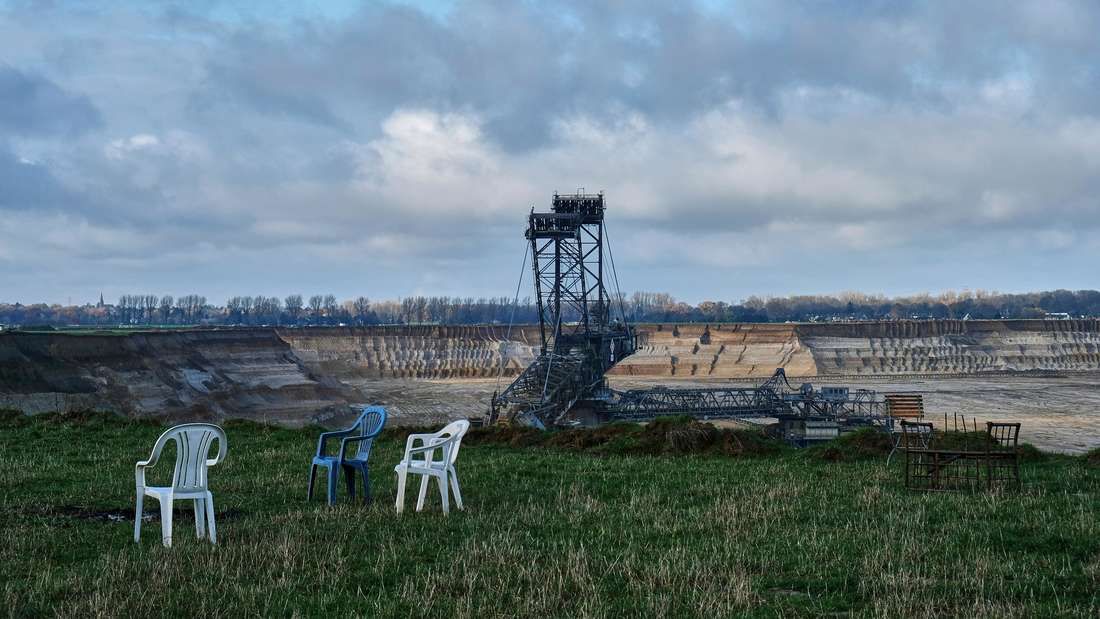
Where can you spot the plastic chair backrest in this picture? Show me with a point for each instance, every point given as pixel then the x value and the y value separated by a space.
pixel 370 424
pixel 455 431
pixel 193 443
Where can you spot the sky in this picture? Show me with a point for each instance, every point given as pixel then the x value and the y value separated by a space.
pixel 390 149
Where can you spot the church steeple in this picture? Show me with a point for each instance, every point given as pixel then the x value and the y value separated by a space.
pixel 100 300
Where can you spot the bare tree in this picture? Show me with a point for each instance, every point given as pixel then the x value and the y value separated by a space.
pixel 316 302
pixel 330 307
pixel 165 308
pixel 293 304
pixel 361 306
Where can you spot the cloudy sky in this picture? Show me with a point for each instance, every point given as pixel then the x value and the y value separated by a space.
pixel 395 148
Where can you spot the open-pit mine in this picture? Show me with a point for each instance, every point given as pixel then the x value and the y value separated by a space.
pixel 1045 372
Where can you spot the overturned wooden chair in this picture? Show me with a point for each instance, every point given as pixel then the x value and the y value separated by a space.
pixel 994 464
pixel 912 435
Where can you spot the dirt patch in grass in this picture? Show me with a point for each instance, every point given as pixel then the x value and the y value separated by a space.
pixel 125 514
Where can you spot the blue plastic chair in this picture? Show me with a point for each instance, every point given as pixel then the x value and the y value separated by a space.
pixel 363 431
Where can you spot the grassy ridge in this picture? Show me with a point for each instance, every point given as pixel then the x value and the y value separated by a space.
pixel 547 532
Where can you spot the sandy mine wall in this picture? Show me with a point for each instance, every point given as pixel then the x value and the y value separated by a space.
pixel 415 351
pixel 904 347
pixel 294 375
pixel 952 346
pixel 192 374
pixel 717 351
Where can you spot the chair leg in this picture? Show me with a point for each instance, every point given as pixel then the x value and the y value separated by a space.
pixel 366 485
pixel 423 493
pixel 333 479
pixel 349 480
pixel 401 478
pixel 312 478
pixel 442 479
pixel 166 520
pixel 139 512
pixel 454 488
pixel 210 518
pixel 200 518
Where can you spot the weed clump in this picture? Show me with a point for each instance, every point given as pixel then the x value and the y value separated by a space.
pixel 863 444
pixel 10 418
pixel 1030 453
pixel 1092 458
pixel 663 436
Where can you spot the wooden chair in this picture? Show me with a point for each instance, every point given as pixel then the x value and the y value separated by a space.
pixel 1002 458
pixel 913 435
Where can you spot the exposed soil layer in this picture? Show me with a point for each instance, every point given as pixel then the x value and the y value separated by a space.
pixel 210 374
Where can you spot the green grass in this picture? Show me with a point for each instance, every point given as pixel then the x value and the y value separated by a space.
pixel 547 532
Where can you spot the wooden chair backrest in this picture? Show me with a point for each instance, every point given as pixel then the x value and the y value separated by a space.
pixel 905 405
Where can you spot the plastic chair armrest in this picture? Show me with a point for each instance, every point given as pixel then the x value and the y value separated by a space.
pixel 411 441
pixel 349 440
pixel 420 450
pixel 429 450
pixel 327 435
pixel 422 437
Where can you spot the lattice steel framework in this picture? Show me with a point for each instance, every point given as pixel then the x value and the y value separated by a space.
pixel 579 341
pixel 567 245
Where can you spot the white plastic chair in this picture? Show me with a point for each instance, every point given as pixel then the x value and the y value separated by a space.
pixel 447 442
pixel 193 443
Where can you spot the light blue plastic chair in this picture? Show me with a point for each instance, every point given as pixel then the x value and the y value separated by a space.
pixel 362 432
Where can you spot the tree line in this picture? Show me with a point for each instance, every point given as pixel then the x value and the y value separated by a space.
pixel 324 309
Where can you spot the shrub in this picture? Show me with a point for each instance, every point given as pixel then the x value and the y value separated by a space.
pixel 863 444
pixel 1092 458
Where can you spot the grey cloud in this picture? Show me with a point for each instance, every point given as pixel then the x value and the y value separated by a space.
pixel 765 135
pixel 32 105
pixel 24 185
pixel 523 66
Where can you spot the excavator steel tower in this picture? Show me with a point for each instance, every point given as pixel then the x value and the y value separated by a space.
pixel 579 339
pixel 580 342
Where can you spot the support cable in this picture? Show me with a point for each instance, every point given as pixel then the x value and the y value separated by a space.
pixel 511 320
pixel 614 273
pixel 550 361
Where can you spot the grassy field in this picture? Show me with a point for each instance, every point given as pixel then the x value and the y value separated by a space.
pixel 547 532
